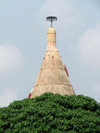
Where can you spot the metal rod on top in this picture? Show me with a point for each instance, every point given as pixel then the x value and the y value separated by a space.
pixel 51 19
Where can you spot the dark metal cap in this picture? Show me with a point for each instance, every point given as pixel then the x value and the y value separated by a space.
pixel 51 19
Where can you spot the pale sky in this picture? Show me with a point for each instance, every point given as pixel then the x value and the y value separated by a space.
pixel 23 43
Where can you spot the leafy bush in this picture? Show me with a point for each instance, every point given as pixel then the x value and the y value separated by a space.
pixel 51 113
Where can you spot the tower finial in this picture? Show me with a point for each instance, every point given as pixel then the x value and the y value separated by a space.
pixel 51 19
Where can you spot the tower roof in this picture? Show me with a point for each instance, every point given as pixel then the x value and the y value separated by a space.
pixel 53 76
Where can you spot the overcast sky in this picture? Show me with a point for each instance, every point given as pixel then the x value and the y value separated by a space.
pixel 23 42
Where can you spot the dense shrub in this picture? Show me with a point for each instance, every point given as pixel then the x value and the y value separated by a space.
pixel 51 113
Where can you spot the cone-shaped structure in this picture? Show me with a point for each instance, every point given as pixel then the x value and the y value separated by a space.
pixel 53 76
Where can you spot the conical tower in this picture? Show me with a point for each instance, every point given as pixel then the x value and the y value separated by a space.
pixel 53 75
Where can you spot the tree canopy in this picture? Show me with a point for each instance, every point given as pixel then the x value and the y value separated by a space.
pixel 51 113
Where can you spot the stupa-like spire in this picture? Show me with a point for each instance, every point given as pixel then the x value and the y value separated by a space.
pixel 53 75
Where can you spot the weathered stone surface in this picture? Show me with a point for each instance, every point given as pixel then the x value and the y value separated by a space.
pixel 52 76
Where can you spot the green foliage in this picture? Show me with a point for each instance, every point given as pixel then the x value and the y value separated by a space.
pixel 51 113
